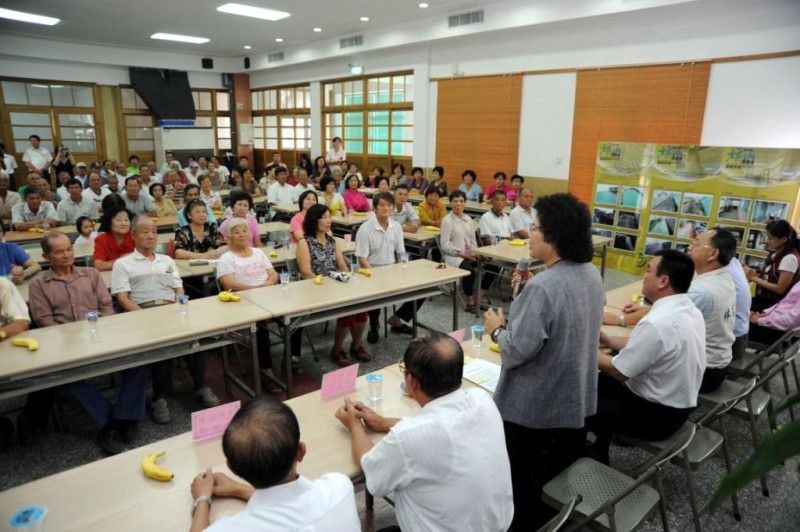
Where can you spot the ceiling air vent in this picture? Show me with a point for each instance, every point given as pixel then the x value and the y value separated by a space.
pixel 349 42
pixel 464 19
pixel 277 56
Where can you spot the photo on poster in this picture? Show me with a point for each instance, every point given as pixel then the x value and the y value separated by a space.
pixel 754 262
pixel 666 201
pixel 734 209
pixel 738 232
pixel 690 229
pixel 606 194
pixel 628 220
pixel 633 197
pixel 757 239
pixel 661 225
pixel 651 245
pixel 697 204
pixel 602 232
pixel 625 242
pixel 682 246
pixel 767 211
pixel 603 216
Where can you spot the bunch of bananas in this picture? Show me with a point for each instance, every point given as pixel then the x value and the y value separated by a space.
pixel 36 230
pixel 154 471
pixel 229 296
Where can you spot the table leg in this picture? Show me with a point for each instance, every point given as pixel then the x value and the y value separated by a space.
pixel 287 353
pixel 455 305
pixel 478 288
pixel 414 320
pixel 256 365
pixel 603 264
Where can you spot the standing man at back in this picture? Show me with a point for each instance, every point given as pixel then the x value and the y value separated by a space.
pixel 447 464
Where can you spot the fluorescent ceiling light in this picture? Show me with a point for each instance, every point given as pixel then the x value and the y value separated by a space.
pixel 255 12
pixel 179 38
pixel 364 19
pixel 247 47
pixel 317 30
pixel 278 40
pixel 423 5
pixel 27 17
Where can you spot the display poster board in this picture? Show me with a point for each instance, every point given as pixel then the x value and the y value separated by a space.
pixel 651 196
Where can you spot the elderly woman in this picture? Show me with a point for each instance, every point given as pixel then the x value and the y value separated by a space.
pixel 210 197
pixel 319 254
pixel 163 205
pixel 200 239
pixel 432 211
pixel 548 347
pixel 241 204
pixel 354 199
pixel 306 201
pixel 457 243
pixel 174 187
pixel 330 197
pixel 116 239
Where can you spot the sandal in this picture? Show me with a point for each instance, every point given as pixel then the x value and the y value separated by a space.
pixel 340 357
pixel 360 353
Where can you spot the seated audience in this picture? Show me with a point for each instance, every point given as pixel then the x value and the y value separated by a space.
pixel 161 203
pixel 8 198
pixel 649 389
pixel 200 239
pixel 418 181
pixel 94 189
pixel 262 446
pixel 193 173
pixel 453 446
pixel 115 241
pixel 135 201
pixel 523 215
pixel 145 180
pixel 382 184
pixel 398 176
pixel 306 200
pixel 548 347
pixel 470 186
pixel 15 263
pixel 33 211
pixel 330 197
pixel 249 184
pixel 174 188
pixel 211 198
pixel 767 326
pixel 241 205
pixel 495 223
pixel 352 169
pixel 75 205
pixel 457 244
pixel 61 190
pixel 354 199
pixel 781 270
pixel 302 183
pixel 146 279
pixel 377 172
pixel 438 180
pixel 14 320
pixel 86 232
pixel 336 174
pixel 432 211
pixel 516 187
pixel 275 164
pixel 191 193
pixel 280 192
pixel 499 184
pixel 403 212
pixel 64 294
pixel 113 185
pixel 320 169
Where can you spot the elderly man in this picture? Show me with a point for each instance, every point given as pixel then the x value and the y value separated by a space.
pixel 81 173
pixel 280 192
pixel 64 294
pixel 495 223
pixel 191 193
pixel 155 176
pixel 33 212
pixel 75 205
pixel 649 389
pixel 403 212
pixel 95 190
pixel 135 200
pixel 302 184
pixel 169 158
pixel 455 445
pixel 122 172
pixel 523 215
pixel 262 445
pixel 16 262
pixel 8 198
pixel 146 279
pixel 145 179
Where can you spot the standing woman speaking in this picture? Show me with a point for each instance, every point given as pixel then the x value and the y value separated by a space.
pixel 548 382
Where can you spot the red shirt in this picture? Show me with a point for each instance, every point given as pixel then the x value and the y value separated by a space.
pixel 107 249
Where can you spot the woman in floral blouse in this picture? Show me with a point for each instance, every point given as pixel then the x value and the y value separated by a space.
pixel 200 239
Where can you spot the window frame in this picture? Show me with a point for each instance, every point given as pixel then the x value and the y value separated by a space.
pixel 290 156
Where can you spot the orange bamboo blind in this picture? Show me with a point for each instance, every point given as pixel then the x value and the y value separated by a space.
pixel 663 104
pixel 477 127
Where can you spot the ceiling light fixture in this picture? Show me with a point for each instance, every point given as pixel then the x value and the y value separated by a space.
pixel 254 12
pixel 364 19
pixel 247 47
pixel 423 5
pixel 21 16
pixel 278 40
pixel 317 30
pixel 179 38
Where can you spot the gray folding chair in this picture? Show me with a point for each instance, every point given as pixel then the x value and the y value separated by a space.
pixel 556 523
pixel 612 500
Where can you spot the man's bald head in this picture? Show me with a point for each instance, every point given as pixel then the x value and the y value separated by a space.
pixel 437 362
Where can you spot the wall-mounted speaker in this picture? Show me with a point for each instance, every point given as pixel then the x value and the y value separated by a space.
pixel 227 81
pixel 207 62
pixel 246 63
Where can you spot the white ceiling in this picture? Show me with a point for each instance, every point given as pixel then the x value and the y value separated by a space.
pixel 129 23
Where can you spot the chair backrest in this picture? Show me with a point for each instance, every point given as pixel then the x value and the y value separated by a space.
pixel 558 521
pixel 745 389
pixel 171 248
pixel 775 347
pixel 683 439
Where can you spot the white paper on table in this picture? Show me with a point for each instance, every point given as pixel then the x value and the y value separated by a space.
pixel 483 373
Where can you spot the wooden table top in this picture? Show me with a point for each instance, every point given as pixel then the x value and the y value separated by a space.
pixel 31 236
pixel 505 252
pixel 619 297
pixel 273 227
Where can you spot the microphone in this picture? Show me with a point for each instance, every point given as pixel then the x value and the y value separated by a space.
pixel 520 273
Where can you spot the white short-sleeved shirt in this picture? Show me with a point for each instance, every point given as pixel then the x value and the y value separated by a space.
pixel 250 271
pixel 280 195
pixel 326 504
pixel 97 198
pixel 12 306
pixel 520 219
pixel 665 357
pixel 299 189
pixel 336 156
pixel 145 280
pixel 788 264
pixel 68 211
pixel 37 157
pixel 377 245
pixel 405 215
pixel 447 466
pixel 22 213
pixel 714 294
pixel 493 225
pixel 11 164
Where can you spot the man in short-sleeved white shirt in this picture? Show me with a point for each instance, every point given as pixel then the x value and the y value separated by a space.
pixel 447 464
pixel 649 389
pixel 37 158
pixel 302 184
pixel 379 241
pixel 403 212
pixel 280 192
pixel 95 190
pixel 523 215
pixel 75 205
pixel 495 223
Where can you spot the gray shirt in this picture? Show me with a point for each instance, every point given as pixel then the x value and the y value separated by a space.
pixel 377 245
pixel 140 206
pixel 549 353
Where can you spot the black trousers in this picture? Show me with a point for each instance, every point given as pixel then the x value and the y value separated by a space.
pixel 739 345
pixel 536 456
pixel 712 379
pixel 487 278
pixel 764 335
pixel 162 374
pixel 620 411
pixel 405 313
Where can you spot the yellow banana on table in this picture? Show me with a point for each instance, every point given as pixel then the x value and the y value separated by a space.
pixel 318 279
pixel 365 272
pixel 152 470
pixel 228 296
pixel 30 343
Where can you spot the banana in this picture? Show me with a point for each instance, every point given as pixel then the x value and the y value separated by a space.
pixel 318 279
pixel 273 254
pixel 365 272
pixel 494 347
pixel 235 298
pixel 155 219
pixel 224 296
pixel 154 471
pixel 30 343
pixel 36 230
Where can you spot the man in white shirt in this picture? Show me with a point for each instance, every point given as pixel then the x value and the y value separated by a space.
pixel 81 171
pixel 275 164
pixel 155 177
pixel 122 173
pixel 302 184
pixel 75 205
pixel 222 170
pixel 8 198
pixel 404 213
pixel 649 389
pixel 262 445
pixel 145 179
pixel 455 445
pixel 33 211
pixel 95 191
pixel 280 192
pixel 193 172
pixel 137 202
pixel 166 167
pixel 714 294
pixel 495 223
pixel 9 163
pixel 523 215
pixel 37 158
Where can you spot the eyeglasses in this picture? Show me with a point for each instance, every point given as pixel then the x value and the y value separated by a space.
pixel 696 243
pixel 402 366
pixel 535 227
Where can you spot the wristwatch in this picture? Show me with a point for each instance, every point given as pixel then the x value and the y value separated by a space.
pixel 496 333
pixel 198 500
pixel 622 320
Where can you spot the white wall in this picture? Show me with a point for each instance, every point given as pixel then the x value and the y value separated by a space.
pixel 545 133
pixel 754 103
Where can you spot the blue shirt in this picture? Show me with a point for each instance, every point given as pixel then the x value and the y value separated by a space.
pixel 11 255
pixel 182 221
pixel 743 298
